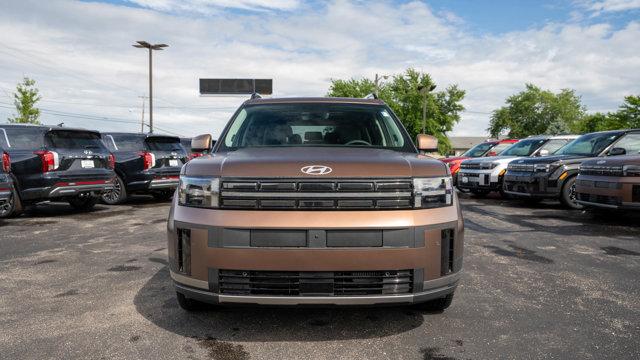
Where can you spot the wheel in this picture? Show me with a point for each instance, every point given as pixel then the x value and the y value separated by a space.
pixel 84 203
pixel 436 305
pixel 568 194
pixel 116 196
pixel 188 304
pixel 163 195
pixel 479 193
pixel 12 207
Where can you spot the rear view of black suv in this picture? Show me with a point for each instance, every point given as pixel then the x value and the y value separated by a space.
pixel 555 176
pixel 54 164
pixel 145 163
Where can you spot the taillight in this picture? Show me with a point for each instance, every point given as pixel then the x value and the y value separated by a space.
pixel 6 162
pixel 50 160
pixel 111 162
pixel 195 155
pixel 149 159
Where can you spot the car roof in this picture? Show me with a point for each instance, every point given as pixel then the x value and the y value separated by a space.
pixel 314 100
pixel 147 135
pixel 550 137
pixel 44 127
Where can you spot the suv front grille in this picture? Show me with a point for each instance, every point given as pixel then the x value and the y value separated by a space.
pixel 279 194
pixel 601 170
pixel 520 167
pixel 294 283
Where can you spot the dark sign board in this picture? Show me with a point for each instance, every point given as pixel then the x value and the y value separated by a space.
pixel 236 86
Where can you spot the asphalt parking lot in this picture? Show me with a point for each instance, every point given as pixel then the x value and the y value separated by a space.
pixel 539 282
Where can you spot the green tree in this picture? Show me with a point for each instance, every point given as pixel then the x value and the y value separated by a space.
pixel 25 99
pixel 403 97
pixel 627 116
pixel 536 111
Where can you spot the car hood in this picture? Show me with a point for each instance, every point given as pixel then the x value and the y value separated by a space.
pixel 561 159
pixel 489 159
pixel 613 161
pixel 289 161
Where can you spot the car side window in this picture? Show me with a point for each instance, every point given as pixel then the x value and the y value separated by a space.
pixel 553 145
pixel 629 142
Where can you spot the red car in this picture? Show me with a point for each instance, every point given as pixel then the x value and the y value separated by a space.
pixel 487 148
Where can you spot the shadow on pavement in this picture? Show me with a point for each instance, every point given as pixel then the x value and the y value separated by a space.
pixel 157 303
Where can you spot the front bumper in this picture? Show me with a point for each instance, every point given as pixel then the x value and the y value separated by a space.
pixel 608 192
pixel 427 243
pixel 470 179
pixel 526 184
pixel 432 289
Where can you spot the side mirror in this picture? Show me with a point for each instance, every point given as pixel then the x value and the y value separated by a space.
pixel 427 143
pixel 543 152
pixel 202 143
pixel 617 151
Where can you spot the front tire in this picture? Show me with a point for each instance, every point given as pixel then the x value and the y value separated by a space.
pixel 436 305
pixel 568 194
pixel 116 196
pixel 83 203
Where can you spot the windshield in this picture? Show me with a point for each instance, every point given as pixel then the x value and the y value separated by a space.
pixel 325 125
pixel 21 138
pixel 523 147
pixel 164 144
pixel 74 140
pixel 479 149
pixel 588 145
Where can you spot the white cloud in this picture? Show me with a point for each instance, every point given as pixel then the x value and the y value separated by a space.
pixel 604 6
pixel 212 6
pixel 80 53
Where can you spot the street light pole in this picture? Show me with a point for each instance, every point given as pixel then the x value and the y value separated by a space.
pixel 146 45
pixel 424 90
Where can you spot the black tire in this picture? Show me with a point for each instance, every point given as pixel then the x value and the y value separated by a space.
pixel 568 194
pixel 83 203
pixel 9 207
pixel 163 195
pixel 188 304
pixel 116 196
pixel 436 305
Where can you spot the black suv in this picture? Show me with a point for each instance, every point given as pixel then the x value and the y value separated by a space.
pixel 145 163
pixel 56 164
pixel 6 185
pixel 555 176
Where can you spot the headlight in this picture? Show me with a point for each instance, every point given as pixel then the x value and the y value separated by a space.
pixel 541 167
pixel 201 192
pixel 432 192
pixel 631 170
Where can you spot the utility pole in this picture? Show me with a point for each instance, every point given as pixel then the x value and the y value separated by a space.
pixel 146 45
pixel 424 90
pixel 142 119
pixel 376 82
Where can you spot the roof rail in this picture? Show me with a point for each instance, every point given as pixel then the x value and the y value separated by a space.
pixel 255 95
pixel 371 96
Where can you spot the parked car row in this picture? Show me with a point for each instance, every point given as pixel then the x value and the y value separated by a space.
pixel 594 169
pixel 81 167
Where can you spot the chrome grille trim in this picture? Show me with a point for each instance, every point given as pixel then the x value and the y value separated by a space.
pixel 310 194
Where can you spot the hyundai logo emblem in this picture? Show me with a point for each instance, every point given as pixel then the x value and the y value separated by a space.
pixel 600 162
pixel 316 170
pixel 88 152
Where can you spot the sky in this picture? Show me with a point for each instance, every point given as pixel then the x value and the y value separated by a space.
pixel 90 76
